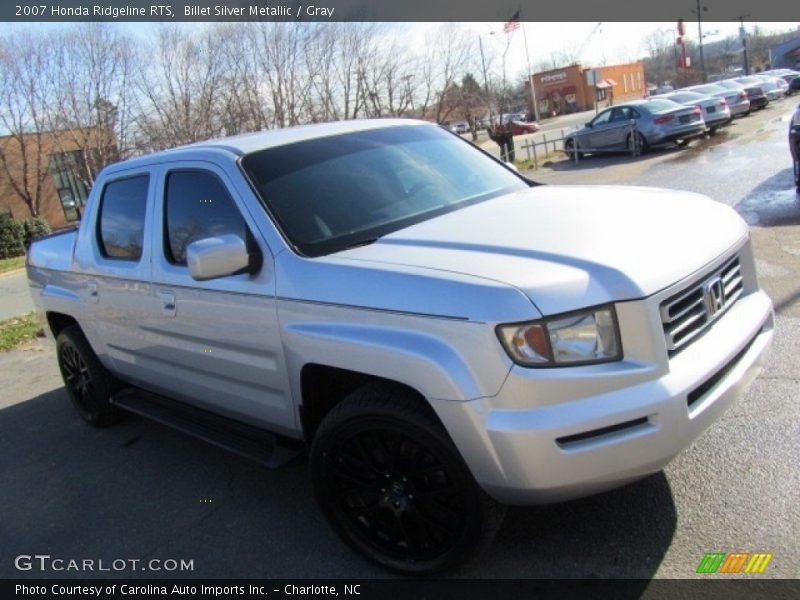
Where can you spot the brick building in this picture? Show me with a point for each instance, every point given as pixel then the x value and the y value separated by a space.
pixel 53 162
pixel 567 89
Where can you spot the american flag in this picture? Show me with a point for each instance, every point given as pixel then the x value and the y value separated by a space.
pixel 512 23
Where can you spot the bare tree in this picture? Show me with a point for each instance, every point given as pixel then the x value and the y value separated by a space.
pixel 558 60
pixel 25 58
pixel 280 51
pixel 90 92
pixel 450 55
pixel 243 101
pixel 661 51
pixel 178 92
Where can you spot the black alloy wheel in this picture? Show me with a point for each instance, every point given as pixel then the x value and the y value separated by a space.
pixel 89 385
pixel 393 486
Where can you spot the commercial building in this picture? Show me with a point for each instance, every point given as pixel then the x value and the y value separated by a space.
pixel 575 88
pixel 50 169
pixel 785 55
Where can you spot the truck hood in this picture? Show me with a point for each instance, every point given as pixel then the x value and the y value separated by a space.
pixel 569 247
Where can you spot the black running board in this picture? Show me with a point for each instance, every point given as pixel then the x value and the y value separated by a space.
pixel 264 447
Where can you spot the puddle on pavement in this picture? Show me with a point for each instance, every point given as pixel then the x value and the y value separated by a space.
pixel 706 144
pixel 767 269
pixel 771 207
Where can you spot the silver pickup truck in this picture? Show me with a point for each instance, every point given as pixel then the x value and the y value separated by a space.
pixel 440 334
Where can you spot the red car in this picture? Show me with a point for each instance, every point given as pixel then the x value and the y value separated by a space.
pixel 520 128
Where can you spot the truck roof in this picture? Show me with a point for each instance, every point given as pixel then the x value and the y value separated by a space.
pixel 246 143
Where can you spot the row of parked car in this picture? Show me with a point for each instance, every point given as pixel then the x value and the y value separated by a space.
pixel 517 122
pixel 678 116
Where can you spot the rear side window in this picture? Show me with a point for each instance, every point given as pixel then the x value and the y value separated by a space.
pixel 122 211
pixel 197 207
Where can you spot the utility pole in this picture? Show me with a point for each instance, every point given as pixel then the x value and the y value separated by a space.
pixel 485 79
pixel 743 36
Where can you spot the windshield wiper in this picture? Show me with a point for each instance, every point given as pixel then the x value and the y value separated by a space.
pixel 359 243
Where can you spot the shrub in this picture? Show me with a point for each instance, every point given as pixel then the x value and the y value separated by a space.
pixel 11 236
pixel 32 228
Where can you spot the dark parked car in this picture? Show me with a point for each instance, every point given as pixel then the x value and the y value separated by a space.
pixel 794 145
pixel 755 93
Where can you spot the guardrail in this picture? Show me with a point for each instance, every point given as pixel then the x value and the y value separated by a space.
pixel 531 146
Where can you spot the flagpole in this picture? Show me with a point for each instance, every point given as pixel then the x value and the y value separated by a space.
pixel 530 76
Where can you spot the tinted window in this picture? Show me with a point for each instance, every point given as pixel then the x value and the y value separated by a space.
pixel 331 193
pixel 198 206
pixel 602 118
pixel 122 210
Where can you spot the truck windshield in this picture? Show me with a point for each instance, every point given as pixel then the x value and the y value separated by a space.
pixel 337 192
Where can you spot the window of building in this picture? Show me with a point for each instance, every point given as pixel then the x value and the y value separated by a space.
pixel 197 207
pixel 121 223
pixel 641 85
pixel 625 82
pixel 69 176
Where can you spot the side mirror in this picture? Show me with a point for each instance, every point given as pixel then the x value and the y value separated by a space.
pixel 513 167
pixel 215 257
pixel 589 124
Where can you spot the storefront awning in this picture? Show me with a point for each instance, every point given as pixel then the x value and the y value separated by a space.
pixel 605 84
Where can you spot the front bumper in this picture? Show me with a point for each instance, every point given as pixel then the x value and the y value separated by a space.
pixel 556 434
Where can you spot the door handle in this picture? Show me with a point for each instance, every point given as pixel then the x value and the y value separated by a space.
pixel 168 305
pixel 91 287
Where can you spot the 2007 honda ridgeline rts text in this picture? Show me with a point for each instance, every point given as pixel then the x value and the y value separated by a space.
pixel 442 335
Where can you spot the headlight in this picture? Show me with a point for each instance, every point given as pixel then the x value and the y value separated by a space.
pixel 579 338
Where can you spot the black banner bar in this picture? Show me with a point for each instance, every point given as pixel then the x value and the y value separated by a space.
pixel 392 10
pixel 714 586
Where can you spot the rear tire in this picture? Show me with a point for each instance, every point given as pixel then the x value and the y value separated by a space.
pixel 88 383
pixel 393 486
pixel 569 149
pixel 638 140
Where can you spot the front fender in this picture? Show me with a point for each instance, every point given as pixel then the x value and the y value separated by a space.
pixel 418 360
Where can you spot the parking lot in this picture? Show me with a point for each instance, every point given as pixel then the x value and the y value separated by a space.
pixel 141 491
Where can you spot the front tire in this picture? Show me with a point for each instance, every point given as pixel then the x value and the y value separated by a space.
pixel 682 143
pixel 89 385
pixel 797 174
pixel 393 486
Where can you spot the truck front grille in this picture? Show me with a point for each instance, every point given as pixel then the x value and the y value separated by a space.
pixel 688 313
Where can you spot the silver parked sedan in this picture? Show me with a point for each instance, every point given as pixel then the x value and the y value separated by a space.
pixel 736 97
pixel 715 110
pixel 641 124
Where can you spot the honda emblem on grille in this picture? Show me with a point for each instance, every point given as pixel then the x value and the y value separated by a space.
pixel 715 296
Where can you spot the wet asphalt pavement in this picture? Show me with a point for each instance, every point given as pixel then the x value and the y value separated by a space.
pixel 139 490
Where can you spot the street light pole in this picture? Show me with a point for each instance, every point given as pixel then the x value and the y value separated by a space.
pixel 700 37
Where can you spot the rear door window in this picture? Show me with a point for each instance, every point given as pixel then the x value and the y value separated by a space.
pixel 122 213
